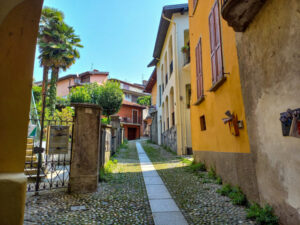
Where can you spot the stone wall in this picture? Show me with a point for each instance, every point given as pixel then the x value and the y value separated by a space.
pixel 169 138
pixel 269 56
pixel 105 150
pixel 154 128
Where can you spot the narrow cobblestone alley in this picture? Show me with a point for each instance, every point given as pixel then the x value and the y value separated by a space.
pixel 123 198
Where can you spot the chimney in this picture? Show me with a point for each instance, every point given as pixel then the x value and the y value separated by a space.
pixel 145 83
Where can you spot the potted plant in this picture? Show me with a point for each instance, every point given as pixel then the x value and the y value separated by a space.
pixel 185 49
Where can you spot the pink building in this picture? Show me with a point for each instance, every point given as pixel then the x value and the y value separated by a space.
pixel 64 84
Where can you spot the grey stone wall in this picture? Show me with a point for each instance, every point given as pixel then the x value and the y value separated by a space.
pixel 153 128
pixel 105 150
pixel 169 138
pixel 269 56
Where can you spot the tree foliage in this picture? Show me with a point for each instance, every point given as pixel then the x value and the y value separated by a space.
pixel 37 93
pixel 144 100
pixel 109 96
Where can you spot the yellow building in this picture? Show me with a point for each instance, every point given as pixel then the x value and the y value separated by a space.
pixel 219 140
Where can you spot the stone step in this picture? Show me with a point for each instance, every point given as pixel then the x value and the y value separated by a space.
pixel 29 146
pixel 29 140
pixel 29 165
pixel 29 152
pixel 31 158
pixel 30 171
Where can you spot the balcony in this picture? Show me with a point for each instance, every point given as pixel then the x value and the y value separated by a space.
pixel 239 14
pixel 128 120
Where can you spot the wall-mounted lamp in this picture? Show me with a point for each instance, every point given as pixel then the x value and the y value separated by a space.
pixel 233 122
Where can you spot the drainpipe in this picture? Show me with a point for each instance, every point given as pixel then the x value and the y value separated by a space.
pixel 177 93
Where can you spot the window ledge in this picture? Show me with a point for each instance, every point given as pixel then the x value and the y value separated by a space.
pixel 201 99
pixel 217 85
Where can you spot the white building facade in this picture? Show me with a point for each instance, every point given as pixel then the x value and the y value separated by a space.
pixel 173 79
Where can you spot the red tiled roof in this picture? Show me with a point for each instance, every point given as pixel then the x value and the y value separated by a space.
pixel 151 82
pixel 125 102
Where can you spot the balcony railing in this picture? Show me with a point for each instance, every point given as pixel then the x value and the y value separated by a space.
pixel 186 58
pixel 131 120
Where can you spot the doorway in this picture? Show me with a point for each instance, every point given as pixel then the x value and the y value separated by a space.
pixel 131 133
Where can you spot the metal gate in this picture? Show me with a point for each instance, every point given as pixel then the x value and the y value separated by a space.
pixel 48 167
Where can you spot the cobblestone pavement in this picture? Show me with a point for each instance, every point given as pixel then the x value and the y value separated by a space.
pixel 121 200
pixel 195 196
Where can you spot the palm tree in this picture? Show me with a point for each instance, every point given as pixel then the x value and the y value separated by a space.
pixel 50 18
pixel 58 47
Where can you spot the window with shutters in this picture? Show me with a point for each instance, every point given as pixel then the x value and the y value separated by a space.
pixel 199 70
pixel 215 44
pixel 134 116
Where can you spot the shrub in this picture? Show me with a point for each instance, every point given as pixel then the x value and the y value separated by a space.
pixel 144 100
pixel 37 93
pixel 79 95
pixel 110 98
pixel 263 216
pixel 105 120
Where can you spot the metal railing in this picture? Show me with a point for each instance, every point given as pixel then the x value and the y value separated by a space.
pixel 130 120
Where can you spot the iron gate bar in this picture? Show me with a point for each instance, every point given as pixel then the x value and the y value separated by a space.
pixel 53 170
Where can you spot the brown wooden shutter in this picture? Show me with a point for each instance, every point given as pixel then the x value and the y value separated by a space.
pixel 135 116
pixel 194 4
pixel 199 70
pixel 215 43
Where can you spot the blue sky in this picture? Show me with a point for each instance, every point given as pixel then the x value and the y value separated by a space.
pixel 118 35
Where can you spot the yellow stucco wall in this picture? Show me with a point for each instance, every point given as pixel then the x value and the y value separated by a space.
pixel 154 94
pixel 217 136
pixel 19 21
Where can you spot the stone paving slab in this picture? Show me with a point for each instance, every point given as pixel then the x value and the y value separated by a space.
pixel 163 205
pixel 153 180
pixel 151 173
pixel 169 218
pixel 147 168
pixel 157 191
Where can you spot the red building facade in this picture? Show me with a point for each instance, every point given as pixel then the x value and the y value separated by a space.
pixel 131 115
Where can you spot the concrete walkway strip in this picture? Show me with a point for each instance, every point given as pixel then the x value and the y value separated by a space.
pixel 163 207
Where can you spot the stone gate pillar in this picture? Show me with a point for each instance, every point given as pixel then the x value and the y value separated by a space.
pixel 84 174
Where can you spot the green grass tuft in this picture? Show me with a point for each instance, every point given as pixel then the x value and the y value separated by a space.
pixel 106 172
pixel 212 173
pixel 263 216
pixel 234 193
pixel 224 190
pixel 219 180
pixel 196 167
